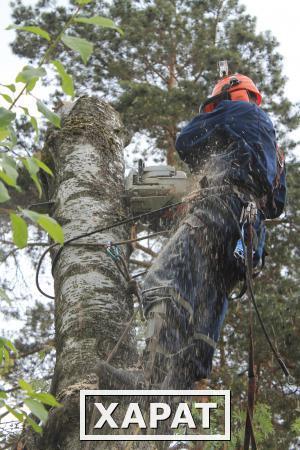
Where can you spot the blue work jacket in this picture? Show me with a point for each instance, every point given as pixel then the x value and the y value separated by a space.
pixel 255 156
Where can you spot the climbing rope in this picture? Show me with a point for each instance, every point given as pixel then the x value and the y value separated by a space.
pixel 115 253
pixel 101 230
pixel 98 230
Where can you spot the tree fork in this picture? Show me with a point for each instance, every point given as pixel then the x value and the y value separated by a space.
pixel 92 305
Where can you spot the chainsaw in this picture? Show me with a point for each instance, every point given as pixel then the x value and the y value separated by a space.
pixel 149 188
pixel 153 187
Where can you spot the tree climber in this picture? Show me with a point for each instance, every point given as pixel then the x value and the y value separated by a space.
pixel 231 147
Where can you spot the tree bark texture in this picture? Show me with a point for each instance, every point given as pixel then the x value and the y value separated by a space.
pixel 92 305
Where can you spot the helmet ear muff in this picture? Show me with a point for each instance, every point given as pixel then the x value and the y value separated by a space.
pixel 212 102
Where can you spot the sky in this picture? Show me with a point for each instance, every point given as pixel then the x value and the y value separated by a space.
pixel 282 19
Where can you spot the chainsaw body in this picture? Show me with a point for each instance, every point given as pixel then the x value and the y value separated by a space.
pixel 153 187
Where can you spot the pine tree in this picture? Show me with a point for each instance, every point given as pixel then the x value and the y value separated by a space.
pixel 165 65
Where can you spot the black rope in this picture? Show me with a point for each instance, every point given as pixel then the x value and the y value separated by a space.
pixel 114 225
pixel 99 230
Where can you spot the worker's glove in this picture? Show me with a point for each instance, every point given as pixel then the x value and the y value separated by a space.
pixel 249 213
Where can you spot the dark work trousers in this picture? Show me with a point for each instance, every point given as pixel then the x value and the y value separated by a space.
pixel 185 293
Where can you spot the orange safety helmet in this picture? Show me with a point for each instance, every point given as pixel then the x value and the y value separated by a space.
pixel 235 87
pixel 235 83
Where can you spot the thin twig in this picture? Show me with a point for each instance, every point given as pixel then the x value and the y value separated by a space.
pixel 136 262
pixel 146 250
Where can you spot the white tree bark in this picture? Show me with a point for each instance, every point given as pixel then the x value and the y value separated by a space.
pixel 91 303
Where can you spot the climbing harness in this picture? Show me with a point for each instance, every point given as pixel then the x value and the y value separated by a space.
pixel 248 216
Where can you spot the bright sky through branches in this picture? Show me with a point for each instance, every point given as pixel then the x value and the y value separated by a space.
pixel 281 18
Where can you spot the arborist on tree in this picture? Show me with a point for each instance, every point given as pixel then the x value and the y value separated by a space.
pixel 231 147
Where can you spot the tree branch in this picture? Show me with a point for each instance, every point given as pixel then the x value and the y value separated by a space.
pixel 136 262
pixel 146 250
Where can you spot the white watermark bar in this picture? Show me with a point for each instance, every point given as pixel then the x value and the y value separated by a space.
pixel 106 414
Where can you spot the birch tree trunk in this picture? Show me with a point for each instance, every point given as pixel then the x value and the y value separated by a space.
pixel 92 306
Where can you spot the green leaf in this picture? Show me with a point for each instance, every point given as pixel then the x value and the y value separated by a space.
pixel 42 166
pixel 4 296
pixel 52 227
pixel 6 356
pixel 42 355
pixel 13 136
pixel 11 87
pixel 9 161
pixel 10 345
pixel 34 124
pixel 30 75
pixel 7 98
pixel 4 195
pixel 19 229
pixel 100 22
pixel 30 165
pixel 26 111
pixel 14 412
pixel 47 223
pixel 33 169
pixel 32 215
pixel 25 386
pixel 3 394
pixel 83 2
pixel 66 79
pixel 6 117
pixel 7 179
pixel 50 115
pixel 37 409
pixel 34 425
pixel 296 426
pixel 9 166
pixel 4 132
pixel 82 46
pixel 45 398
pixel 31 29
pixel 37 183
